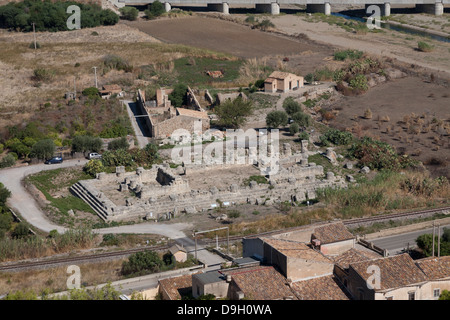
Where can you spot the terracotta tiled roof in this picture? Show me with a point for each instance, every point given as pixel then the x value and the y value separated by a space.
pixel 173 286
pixel 321 288
pixel 192 113
pixel 396 271
pixel 330 233
pixel 111 88
pixel 352 256
pixel 295 249
pixel 435 268
pixel 261 283
pixel 176 248
pixel 279 75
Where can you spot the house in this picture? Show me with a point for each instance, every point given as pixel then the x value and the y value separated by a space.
pixel 296 260
pixel 437 271
pixel 391 278
pixel 258 283
pixel 178 252
pixel 213 282
pixel 283 82
pixel 322 288
pixel 175 288
pixel 110 89
pixel 332 239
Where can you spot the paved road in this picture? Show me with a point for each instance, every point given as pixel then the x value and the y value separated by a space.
pixel 395 244
pixel 24 204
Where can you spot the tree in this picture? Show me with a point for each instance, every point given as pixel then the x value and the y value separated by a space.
pixel 291 106
pixel 93 167
pixel 129 13
pixel 275 119
pixel 86 143
pixel 302 119
pixel 7 161
pixel 155 10
pixel 142 262
pixel 90 92
pixel 21 230
pixel 294 128
pixel 178 95
pixel 232 113
pixel 121 143
pixel 43 149
pixel 445 295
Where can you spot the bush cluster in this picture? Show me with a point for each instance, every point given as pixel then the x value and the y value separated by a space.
pixel 52 16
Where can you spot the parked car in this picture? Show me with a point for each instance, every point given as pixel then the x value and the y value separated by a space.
pixel 94 155
pixel 54 160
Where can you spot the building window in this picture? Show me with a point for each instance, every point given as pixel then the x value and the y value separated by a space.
pixel 436 293
pixel 411 296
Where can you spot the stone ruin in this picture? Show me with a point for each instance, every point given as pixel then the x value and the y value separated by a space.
pixel 163 192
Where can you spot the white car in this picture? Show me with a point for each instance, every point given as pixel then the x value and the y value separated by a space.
pixel 94 155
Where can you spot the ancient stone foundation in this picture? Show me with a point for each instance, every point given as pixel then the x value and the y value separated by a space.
pixel 163 192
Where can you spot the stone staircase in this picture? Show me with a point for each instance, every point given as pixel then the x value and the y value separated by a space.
pixel 80 191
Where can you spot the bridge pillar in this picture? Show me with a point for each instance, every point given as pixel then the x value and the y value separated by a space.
pixel 272 8
pixel 385 9
pixel 167 6
pixel 322 8
pixel 221 7
pixel 434 8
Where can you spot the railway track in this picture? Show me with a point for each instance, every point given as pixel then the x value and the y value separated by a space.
pixel 116 254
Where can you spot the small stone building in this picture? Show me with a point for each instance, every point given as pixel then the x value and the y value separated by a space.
pixel 282 81
pixel 332 239
pixel 110 89
pixel 178 252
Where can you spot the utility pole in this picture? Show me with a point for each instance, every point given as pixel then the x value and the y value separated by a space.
pixel 439 240
pixel 95 72
pixel 74 89
pixel 34 35
pixel 434 233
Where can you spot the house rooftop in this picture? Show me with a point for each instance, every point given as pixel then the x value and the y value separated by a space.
pixel 177 286
pixel 175 248
pixel 210 277
pixel 396 271
pixel 353 256
pixel 435 268
pixel 320 288
pixel 261 283
pixel 279 75
pixel 330 233
pixel 294 249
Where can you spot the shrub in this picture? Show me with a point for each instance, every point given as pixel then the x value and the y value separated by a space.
pixel 31 46
pixel 21 230
pixel 112 61
pixel 368 114
pixel 121 143
pixel 275 119
pixel 359 82
pixel 303 136
pixel 142 263
pixel 351 54
pixel 90 92
pixel 154 10
pixel 7 161
pixel 93 167
pixel 43 75
pixel 425 47
pixel 129 13
pixel 265 25
pixel 336 137
pixel 294 128
pixel 178 95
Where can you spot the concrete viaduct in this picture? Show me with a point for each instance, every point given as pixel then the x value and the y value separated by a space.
pixel 324 6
